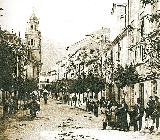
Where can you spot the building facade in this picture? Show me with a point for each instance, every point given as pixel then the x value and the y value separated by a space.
pixel 88 55
pixel 130 45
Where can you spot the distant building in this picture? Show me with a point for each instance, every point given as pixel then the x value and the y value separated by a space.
pixel 87 56
pixel 46 78
pixel 84 54
pixel 33 42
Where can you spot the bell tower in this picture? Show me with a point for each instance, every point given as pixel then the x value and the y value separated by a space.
pixel 33 42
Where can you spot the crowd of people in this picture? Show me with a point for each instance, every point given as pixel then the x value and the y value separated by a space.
pixel 120 116
pixel 116 114
pixel 10 106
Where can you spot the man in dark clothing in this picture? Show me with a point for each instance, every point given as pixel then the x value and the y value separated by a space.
pixel 96 109
pixel 118 116
pixel 106 119
pixel 74 99
pixel 101 102
pixel 112 103
pixel 133 117
pixel 141 109
pixel 124 111
pixel 34 107
pixel 45 96
pixel 87 104
pixel 157 111
pixel 151 105
pixel 150 108
pixel 6 108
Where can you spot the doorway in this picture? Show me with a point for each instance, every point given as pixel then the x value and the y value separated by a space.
pixel 141 93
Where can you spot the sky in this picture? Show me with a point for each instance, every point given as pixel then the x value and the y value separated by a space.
pixel 64 21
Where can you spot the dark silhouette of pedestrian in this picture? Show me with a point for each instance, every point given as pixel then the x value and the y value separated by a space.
pixel 45 96
pixel 133 114
pixel 157 111
pixel 105 120
pixel 118 116
pixel 95 105
pixel 124 111
pixel 141 109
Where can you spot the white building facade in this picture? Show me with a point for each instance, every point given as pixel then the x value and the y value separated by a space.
pixel 128 47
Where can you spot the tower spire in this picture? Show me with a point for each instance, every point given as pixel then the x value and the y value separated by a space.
pixel 33 10
pixel 33 40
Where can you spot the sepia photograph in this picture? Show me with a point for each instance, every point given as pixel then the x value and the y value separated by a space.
pixel 79 69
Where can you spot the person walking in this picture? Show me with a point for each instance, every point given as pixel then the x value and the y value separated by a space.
pixel 95 106
pixel 124 111
pixel 133 114
pixel 157 111
pixel 118 116
pixel 74 99
pixel 45 96
pixel 150 114
pixel 141 109
pixel 105 120
pixel 34 107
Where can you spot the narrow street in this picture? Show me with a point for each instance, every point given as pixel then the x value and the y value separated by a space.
pixel 61 122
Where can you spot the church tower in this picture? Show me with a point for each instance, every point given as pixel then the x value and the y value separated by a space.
pixel 33 42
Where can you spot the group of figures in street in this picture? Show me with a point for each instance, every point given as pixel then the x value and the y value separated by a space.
pixel 116 114
pixel 119 115
pixel 29 102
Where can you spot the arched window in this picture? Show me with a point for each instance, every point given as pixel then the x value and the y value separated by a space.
pixel 31 41
pixel 32 27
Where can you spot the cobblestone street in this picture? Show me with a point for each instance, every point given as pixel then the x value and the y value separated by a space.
pixel 60 121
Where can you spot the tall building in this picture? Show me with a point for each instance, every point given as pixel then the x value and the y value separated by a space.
pixel 137 23
pixel 87 50
pixel 33 42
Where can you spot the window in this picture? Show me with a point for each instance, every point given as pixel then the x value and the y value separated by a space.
pixel 119 51
pixel 31 41
pixel 32 27
pixel 141 52
pixel 132 95
pixel 141 93
pixel 135 54
pixel 154 87
pixel 142 27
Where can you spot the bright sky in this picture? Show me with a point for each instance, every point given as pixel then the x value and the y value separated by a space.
pixel 63 21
